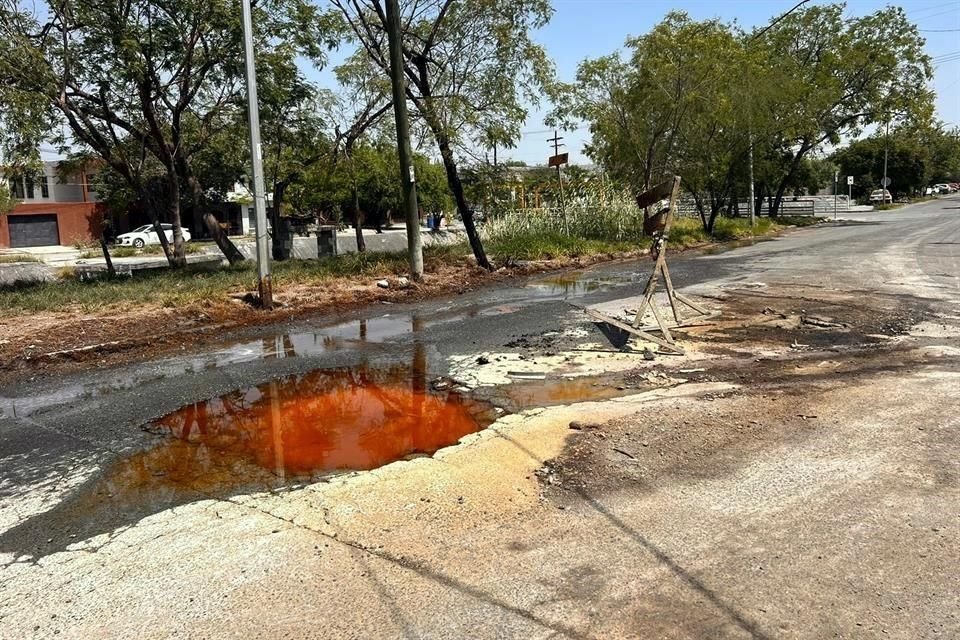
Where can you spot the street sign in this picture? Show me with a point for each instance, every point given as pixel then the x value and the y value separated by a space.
pixel 886 182
pixel 849 179
pixel 557 160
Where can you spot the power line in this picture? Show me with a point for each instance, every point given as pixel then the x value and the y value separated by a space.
pixel 779 19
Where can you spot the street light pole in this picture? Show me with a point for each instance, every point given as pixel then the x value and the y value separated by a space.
pixel 264 284
pixel 886 153
pixel 836 178
pixel 407 175
pixel 753 220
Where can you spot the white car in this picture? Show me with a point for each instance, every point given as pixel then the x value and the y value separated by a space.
pixel 142 236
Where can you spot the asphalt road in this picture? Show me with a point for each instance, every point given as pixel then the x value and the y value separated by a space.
pixel 58 435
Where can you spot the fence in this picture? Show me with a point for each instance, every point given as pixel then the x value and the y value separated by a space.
pixel 800 206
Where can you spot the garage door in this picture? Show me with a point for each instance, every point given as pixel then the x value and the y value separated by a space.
pixel 34 231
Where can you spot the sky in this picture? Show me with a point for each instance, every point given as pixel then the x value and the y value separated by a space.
pixel 582 29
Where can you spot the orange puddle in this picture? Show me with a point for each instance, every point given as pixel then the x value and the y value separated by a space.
pixel 323 421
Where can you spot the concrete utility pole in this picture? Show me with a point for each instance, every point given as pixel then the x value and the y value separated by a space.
pixel 264 284
pixel 408 178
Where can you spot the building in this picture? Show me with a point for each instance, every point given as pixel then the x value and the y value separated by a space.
pixel 53 209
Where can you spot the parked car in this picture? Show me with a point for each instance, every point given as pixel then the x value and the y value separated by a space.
pixel 142 236
pixel 881 195
pixel 941 188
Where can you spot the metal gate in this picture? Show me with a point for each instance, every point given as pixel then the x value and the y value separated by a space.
pixel 34 231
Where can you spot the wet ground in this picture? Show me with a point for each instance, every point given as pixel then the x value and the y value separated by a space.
pixel 280 424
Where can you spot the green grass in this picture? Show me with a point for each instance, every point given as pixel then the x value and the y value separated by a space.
pixel 129 252
pixel 177 288
pixel 534 237
pixel 23 257
pixel 551 245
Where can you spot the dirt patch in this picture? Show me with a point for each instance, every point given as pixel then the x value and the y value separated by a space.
pixel 783 347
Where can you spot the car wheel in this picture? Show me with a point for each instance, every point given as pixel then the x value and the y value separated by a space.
pixel 138 243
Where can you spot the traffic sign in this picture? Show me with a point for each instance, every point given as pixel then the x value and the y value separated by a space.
pixel 849 179
pixel 886 182
pixel 557 160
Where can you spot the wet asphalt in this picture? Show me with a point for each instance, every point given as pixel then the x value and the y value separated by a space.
pixel 95 416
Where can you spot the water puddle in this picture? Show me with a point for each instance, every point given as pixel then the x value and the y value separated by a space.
pixel 578 282
pixel 272 436
pixel 326 420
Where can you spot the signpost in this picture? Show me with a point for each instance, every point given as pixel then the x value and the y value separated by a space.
pixel 849 190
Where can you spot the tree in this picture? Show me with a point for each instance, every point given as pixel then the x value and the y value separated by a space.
pixel 669 109
pixel 471 65
pixel 836 76
pixel 7 201
pixel 139 79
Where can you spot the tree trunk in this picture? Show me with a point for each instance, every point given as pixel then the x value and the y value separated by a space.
pixel 782 187
pixel 358 220
pixel 212 225
pixel 227 247
pixel 106 256
pixel 174 200
pixel 456 187
pixel 164 243
pixel 279 189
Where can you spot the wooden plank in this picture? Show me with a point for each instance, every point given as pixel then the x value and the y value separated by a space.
pixel 690 303
pixel 661 323
pixel 652 196
pixel 596 315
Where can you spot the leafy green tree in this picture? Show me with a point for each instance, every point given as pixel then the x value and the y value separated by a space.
pixel 835 76
pixel 7 201
pixel 471 68
pixel 133 79
pixel 669 109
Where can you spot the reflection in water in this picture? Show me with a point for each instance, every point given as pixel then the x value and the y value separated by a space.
pixel 325 420
pixel 261 438
pixel 578 282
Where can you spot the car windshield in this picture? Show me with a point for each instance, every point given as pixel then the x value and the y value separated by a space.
pixel 145 227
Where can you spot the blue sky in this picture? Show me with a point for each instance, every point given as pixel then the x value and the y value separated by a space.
pixel 589 28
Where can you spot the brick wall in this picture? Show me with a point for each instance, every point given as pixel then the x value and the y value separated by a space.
pixel 81 221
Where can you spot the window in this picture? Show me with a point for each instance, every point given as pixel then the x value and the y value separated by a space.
pixel 44 187
pixel 30 190
pixel 16 188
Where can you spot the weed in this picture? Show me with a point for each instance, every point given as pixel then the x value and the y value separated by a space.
pixel 20 257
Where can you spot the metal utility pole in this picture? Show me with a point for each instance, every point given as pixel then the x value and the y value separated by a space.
pixel 836 178
pixel 408 178
pixel 753 197
pixel 886 153
pixel 264 284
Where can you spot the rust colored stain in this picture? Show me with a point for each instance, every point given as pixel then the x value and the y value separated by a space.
pixel 322 421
